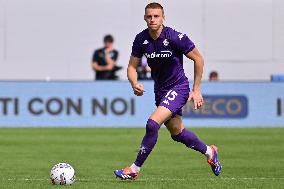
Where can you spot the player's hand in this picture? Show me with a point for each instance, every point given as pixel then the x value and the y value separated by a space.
pixel 197 99
pixel 138 89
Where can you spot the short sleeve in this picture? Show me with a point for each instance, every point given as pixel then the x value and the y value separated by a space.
pixel 183 43
pixel 136 48
pixel 95 56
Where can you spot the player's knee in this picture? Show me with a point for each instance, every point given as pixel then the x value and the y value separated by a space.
pixel 152 127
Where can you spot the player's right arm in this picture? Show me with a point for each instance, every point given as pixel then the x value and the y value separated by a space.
pixel 137 87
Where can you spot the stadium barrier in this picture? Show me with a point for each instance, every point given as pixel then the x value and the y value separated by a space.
pixel 112 104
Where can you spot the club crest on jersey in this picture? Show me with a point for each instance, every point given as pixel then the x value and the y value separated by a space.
pixel 166 42
pixel 161 54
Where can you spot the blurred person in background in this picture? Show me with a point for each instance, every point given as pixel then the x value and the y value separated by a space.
pixel 213 76
pixel 143 70
pixel 104 61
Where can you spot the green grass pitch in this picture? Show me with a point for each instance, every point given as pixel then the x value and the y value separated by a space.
pixel 251 158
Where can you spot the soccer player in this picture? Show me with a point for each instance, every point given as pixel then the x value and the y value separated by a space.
pixel 164 49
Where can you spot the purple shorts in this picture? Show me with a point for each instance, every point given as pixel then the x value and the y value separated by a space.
pixel 173 99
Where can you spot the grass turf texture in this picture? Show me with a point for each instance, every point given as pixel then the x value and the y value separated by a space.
pixel 251 158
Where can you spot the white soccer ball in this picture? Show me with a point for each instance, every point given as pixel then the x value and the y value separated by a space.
pixel 62 174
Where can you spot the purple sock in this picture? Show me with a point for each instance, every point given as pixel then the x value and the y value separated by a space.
pixel 190 140
pixel 148 142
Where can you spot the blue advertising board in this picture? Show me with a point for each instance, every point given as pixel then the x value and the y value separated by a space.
pixel 219 106
pixel 113 104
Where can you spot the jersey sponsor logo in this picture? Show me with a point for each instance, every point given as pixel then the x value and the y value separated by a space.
pixel 180 36
pixel 161 54
pixel 166 42
pixel 145 42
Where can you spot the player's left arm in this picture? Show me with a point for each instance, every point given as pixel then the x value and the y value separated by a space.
pixel 198 60
pixel 184 45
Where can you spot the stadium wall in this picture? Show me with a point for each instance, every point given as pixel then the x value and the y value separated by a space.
pixel 112 104
pixel 55 39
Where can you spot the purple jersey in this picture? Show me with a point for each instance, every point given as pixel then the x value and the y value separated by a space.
pixel 164 56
